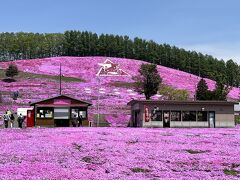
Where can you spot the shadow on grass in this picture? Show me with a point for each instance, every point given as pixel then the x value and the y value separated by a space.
pixel 196 151
pixel 9 80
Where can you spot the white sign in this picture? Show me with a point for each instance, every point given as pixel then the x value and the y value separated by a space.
pixel 111 69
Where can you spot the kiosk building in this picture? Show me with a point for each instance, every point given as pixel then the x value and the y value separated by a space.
pixel 152 113
pixel 58 111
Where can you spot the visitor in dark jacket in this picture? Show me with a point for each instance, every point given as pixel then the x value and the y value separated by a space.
pixel 6 119
pixel 20 120
pixel 74 120
pixel 80 121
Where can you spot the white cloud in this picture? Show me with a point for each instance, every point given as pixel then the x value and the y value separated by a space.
pixel 223 51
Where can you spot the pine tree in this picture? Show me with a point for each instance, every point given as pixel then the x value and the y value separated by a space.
pixel 202 90
pixel 221 91
pixel 232 73
pixel 11 71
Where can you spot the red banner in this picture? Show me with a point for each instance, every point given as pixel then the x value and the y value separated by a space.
pixel 146 112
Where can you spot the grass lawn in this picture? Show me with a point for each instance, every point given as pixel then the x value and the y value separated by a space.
pixel 27 75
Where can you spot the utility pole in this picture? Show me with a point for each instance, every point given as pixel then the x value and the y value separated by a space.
pixel 60 80
pixel 98 115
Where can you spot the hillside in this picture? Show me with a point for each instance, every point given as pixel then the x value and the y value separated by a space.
pixel 39 79
pixel 22 45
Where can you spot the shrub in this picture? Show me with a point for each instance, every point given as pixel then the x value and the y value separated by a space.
pixel 11 71
pixel 231 172
pixel 140 170
pixel 237 120
pixel 173 94
pixel 87 159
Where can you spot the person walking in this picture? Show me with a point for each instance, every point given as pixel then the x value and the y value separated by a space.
pixel 74 120
pixel 20 120
pixel 6 119
pixel 8 112
pixel 80 120
pixel 12 118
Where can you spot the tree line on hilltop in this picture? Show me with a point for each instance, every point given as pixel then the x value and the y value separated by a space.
pixel 76 43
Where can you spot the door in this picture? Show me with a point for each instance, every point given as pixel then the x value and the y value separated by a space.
pixel 62 122
pixel 30 118
pixel 211 119
pixel 136 119
pixel 166 118
pixel 61 117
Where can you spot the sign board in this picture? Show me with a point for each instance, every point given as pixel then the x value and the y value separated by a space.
pixel 23 111
pixel 62 101
pixel 111 69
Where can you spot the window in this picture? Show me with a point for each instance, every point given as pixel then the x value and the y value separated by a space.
pixel 83 114
pixel 74 113
pixel 77 112
pixel 156 114
pixel 175 116
pixel 61 113
pixel 44 112
pixel 202 116
pixel 189 115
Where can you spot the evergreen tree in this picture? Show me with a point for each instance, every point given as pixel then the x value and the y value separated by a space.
pixel 221 91
pixel 232 73
pixel 11 71
pixel 148 81
pixel 202 90
pixel 218 94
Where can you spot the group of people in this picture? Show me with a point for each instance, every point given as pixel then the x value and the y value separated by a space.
pixel 76 121
pixel 9 117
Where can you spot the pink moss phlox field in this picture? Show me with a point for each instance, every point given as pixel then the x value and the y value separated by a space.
pixel 87 67
pixel 113 99
pixel 119 153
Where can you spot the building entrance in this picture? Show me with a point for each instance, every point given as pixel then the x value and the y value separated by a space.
pixel 211 119
pixel 166 118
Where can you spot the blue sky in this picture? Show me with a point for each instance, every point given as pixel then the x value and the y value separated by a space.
pixel 208 26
